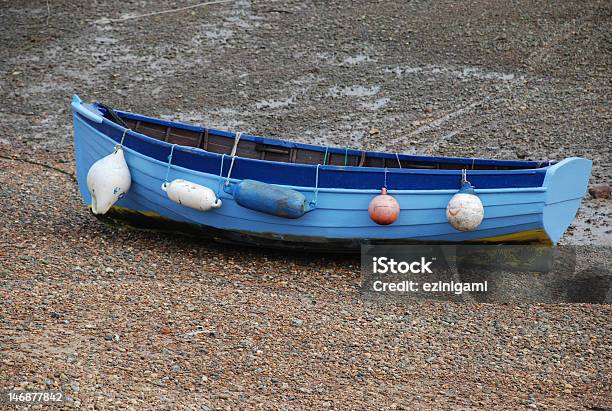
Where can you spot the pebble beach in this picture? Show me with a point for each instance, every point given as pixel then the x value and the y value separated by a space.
pixel 117 318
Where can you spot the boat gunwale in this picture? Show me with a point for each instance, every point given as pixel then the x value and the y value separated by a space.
pixel 312 189
pixel 539 166
pixel 329 167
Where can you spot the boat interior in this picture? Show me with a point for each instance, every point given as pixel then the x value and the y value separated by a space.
pixel 222 142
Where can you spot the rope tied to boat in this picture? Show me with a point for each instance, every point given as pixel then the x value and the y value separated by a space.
pixel 221 168
pixel 233 154
pixel 236 140
pixel 220 175
pixel 325 156
pixel 122 138
pixel 398 160
pixel 385 185
pixel 316 190
pixel 169 163
pixel 463 177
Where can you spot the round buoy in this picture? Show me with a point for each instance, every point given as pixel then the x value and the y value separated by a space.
pixel 384 208
pixel 464 210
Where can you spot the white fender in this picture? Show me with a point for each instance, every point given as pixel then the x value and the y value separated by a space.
pixel 464 210
pixel 191 195
pixel 108 180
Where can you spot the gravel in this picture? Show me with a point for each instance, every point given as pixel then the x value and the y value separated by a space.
pixel 124 319
pixel 229 327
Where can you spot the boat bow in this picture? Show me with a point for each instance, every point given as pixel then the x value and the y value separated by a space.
pixel 566 184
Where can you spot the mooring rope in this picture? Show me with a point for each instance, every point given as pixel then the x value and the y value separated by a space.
pixel 50 167
pixel 155 13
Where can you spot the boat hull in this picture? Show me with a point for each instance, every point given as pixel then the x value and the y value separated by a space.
pixel 340 219
pixel 152 221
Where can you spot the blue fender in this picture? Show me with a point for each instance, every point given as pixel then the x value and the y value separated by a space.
pixel 270 199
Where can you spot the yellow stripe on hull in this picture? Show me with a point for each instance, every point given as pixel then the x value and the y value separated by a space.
pixel 529 236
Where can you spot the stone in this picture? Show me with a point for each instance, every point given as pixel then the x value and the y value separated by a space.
pixel 600 191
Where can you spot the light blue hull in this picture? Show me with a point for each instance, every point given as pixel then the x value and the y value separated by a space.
pixel 522 214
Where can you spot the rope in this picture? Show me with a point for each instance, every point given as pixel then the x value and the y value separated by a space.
pixel 220 175
pixel 345 156
pixel 221 169
pixel 316 190
pixel 385 186
pixel 229 172
pixel 463 177
pixel 122 138
pixel 113 114
pixel 236 140
pixel 325 156
pixel 169 163
pixel 50 167
pixel 398 160
pixel 107 20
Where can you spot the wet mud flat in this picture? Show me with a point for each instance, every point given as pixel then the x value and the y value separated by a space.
pixel 487 80
pixel 118 318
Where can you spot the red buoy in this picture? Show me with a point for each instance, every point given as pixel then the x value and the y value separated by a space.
pixel 384 208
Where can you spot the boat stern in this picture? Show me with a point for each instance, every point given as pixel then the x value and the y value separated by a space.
pixel 566 184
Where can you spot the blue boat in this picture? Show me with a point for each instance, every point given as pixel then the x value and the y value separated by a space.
pixel 286 194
